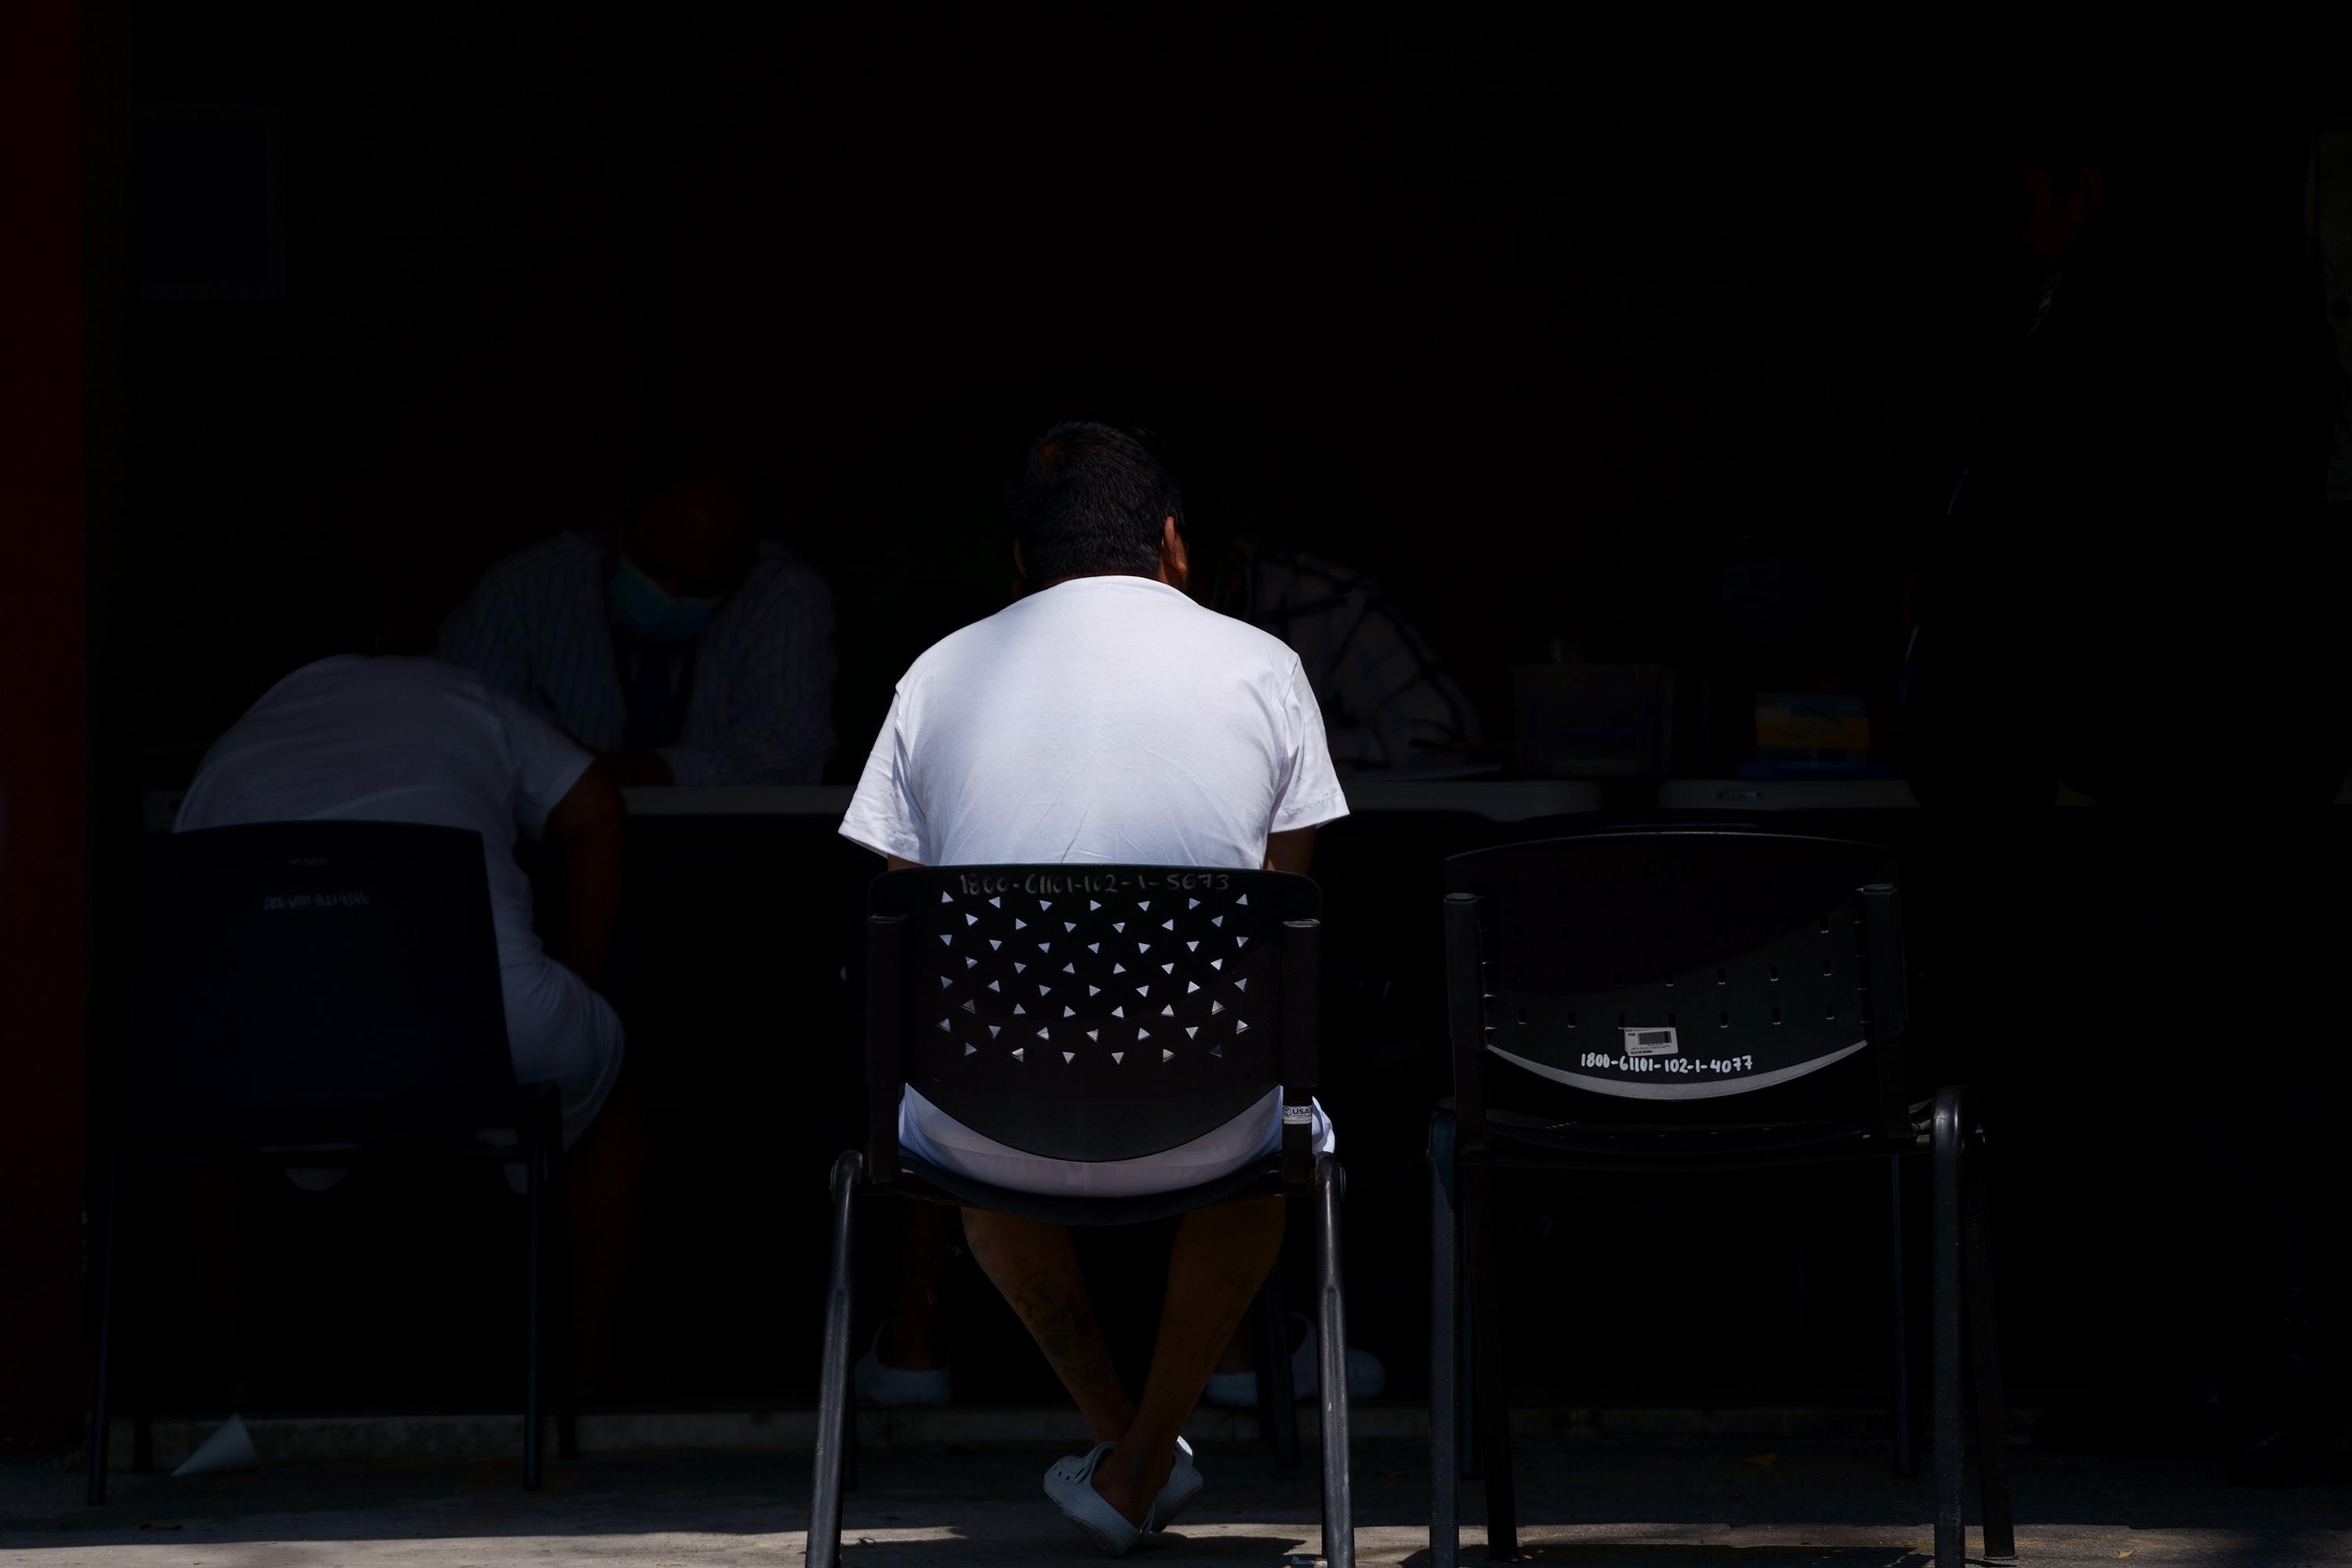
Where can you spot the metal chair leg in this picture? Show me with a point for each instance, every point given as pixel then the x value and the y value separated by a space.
pixel 1491 1392
pixel 1951 1533
pixel 1277 1391
pixel 535 1247
pixel 1907 1457
pixel 1444 1291
pixel 567 1344
pixel 1338 1508
pixel 834 1412
pixel 852 1458
pixel 100 1417
pixel 1984 1352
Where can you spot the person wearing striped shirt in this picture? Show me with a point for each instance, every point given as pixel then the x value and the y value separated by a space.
pixel 680 649
pixel 1386 700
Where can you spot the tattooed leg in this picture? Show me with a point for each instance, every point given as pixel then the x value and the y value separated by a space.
pixel 1036 1269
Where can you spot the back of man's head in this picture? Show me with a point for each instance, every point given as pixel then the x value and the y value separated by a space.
pixel 1092 500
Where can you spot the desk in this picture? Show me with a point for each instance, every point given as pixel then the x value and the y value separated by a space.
pixel 1498 800
pixel 1785 794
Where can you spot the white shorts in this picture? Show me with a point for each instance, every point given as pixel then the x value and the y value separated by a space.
pixel 561 1032
pixel 933 1136
pixel 558 1031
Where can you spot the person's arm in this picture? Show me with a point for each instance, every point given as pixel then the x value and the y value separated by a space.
pixel 1290 851
pixel 777 719
pixel 586 832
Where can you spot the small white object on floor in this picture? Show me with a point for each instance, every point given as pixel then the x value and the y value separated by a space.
pixel 229 1449
pixel 1367 1376
pixel 1070 1483
pixel 884 1385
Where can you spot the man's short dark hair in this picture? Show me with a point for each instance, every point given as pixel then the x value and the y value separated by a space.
pixel 1091 501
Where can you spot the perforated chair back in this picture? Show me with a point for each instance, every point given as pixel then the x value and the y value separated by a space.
pixel 1089 1013
pixel 1678 964
pixel 312 983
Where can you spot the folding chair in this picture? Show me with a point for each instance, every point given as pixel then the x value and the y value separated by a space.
pixel 1089 1013
pixel 323 993
pixel 1666 974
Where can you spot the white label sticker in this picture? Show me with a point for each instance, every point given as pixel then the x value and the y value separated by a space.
pixel 1650 1043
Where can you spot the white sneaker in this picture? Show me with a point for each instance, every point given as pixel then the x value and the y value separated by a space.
pixel 228 1449
pixel 882 1385
pixel 1367 1376
pixel 1184 1486
pixel 1070 1483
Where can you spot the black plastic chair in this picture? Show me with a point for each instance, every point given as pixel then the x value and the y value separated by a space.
pixel 1683 970
pixel 323 993
pixel 1091 1013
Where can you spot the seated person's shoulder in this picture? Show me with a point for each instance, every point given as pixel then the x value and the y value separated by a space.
pixel 1229 638
pixel 777 571
pixel 556 556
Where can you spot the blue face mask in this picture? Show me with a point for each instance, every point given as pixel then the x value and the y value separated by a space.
pixel 651 612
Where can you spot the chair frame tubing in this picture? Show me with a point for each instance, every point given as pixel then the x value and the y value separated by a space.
pixel 1445 1371
pixel 1964 1299
pixel 1965 1333
pixel 1339 1513
pixel 1277 1394
pixel 834 1412
pixel 877 1170
pixel 1966 1341
pixel 545 1246
pixel 101 1416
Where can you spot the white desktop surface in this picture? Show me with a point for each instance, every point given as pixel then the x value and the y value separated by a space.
pixel 1498 800
pixel 1784 794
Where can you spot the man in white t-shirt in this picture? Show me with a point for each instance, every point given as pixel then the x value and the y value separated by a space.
pixel 1106 718
pixel 412 739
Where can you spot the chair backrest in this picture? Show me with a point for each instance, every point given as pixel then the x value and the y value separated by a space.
pixel 1675 963
pixel 1087 1012
pixel 318 983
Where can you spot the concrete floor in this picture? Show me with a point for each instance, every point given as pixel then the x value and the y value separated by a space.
pixel 1658 1503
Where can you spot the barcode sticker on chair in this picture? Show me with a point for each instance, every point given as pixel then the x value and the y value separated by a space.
pixel 1650 1043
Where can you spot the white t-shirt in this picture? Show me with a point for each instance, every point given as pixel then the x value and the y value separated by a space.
pixel 1105 718
pixel 1108 719
pixel 396 740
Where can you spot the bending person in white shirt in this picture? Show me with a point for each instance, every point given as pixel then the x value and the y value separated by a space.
pixel 412 739
pixel 1106 718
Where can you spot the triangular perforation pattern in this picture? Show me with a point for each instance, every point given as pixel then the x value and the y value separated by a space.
pixel 1200 996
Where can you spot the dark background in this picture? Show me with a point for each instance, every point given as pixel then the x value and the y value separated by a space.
pixel 1537 318
pixel 1542 319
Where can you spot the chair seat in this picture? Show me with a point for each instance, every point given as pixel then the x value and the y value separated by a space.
pixel 921 1180
pixel 1524 1140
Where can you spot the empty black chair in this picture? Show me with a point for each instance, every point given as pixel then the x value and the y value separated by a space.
pixel 1613 997
pixel 1090 1013
pixel 321 993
